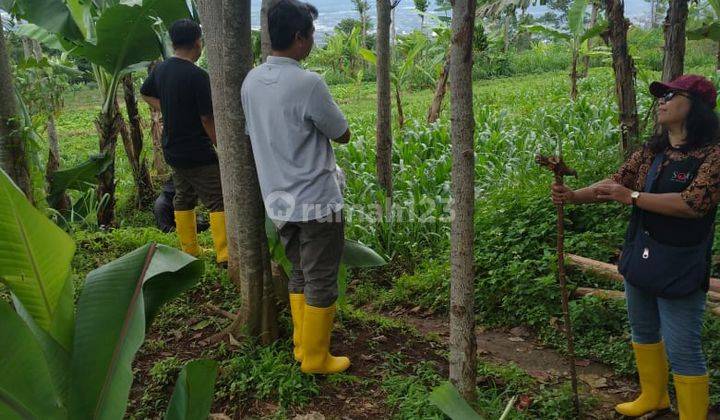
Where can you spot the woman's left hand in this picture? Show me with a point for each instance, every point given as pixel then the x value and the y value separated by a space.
pixel 614 192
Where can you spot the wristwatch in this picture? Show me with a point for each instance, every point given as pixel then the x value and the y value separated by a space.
pixel 634 195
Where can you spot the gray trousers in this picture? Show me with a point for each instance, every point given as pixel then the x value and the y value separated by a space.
pixel 201 181
pixel 315 250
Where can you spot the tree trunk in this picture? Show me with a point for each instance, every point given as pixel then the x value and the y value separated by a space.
pixel 506 33
pixel 384 128
pixel 624 69
pixel 393 33
pixel 463 368
pixel 674 59
pixel 230 58
pixel 440 89
pixel 134 145
pixel 398 103
pixel 13 158
pixel 265 44
pixel 653 14
pixel 591 24
pixel 156 129
pixel 108 125
pixel 717 66
pixel 574 75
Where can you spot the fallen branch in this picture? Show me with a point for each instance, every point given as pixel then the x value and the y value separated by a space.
pixel 221 312
pixel 609 271
pixel 713 307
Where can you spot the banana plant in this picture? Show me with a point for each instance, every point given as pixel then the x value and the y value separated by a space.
pixel 575 38
pixel 61 362
pixel 709 30
pixel 117 37
pixel 401 70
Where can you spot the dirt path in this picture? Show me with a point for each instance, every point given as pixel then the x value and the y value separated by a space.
pixel 544 364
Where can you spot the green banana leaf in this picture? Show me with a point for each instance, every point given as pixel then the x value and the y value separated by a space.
pixel 76 178
pixel 51 15
pixel 117 303
pixel 168 10
pixel 576 17
pixel 125 37
pixel 447 398
pixel 57 358
pixel 594 31
pixel 709 31
pixel 36 256
pixel 194 390
pixel 548 32
pixel 357 255
pixel 26 391
pixel 39 34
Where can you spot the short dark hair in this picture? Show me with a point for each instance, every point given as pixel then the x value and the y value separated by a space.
pixel 702 125
pixel 184 33
pixel 287 18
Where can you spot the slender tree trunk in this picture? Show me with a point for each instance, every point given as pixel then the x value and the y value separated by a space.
pixel 156 129
pixel 398 103
pixel 506 33
pixel 134 145
pixel 265 44
pixel 463 348
pixel 53 164
pixel 108 125
pixel 674 60
pixel 13 157
pixel 653 14
pixel 27 47
pixel 440 89
pixel 624 69
pixel 574 75
pixel 384 128
pixel 230 58
pixel 591 24
pixel 717 66
pixel 393 33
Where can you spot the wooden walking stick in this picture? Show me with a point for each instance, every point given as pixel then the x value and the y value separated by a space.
pixel 556 165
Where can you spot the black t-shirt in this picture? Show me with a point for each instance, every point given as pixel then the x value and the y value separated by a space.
pixel 184 92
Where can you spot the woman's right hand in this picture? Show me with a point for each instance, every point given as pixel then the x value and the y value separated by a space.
pixel 562 194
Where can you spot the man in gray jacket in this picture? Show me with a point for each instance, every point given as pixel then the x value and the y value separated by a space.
pixel 291 120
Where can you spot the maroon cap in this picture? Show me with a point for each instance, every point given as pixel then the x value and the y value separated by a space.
pixel 698 86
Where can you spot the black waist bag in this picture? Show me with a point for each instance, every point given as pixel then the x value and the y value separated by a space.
pixel 665 271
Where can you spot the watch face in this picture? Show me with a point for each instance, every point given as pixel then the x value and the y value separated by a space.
pixel 635 194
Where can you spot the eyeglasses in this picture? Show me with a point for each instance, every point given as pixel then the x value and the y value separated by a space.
pixel 670 95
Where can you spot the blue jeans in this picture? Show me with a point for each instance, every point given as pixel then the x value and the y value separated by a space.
pixel 677 322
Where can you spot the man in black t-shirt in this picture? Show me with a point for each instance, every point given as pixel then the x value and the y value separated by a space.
pixel 181 91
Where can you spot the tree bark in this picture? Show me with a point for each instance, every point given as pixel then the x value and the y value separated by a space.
pixel 156 130
pixel 134 145
pixel 591 24
pixel 463 368
pixel 717 66
pixel 624 68
pixel 384 128
pixel 108 126
pixel 674 59
pixel 53 164
pixel 440 89
pixel 230 58
pixel 13 157
pixel 265 44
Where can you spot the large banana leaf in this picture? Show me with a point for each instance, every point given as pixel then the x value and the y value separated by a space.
pixel 594 31
pixel 35 257
pixel 51 15
pixel 357 255
pixel 576 17
pixel 116 303
pixel 548 32
pixel 26 391
pixel 39 34
pixel 125 37
pixel 76 178
pixel 168 10
pixel 194 390
pixel 709 31
pixel 448 400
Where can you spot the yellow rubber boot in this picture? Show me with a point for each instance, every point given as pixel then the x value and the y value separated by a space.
pixel 219 235
pixel 297 310
pixel 692 396
pixel 316 357
pixel 652 368
pixel 186 227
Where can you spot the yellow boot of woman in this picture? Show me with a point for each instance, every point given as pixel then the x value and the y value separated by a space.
pixel 652 368
pixel 692 396
pixel 316 357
